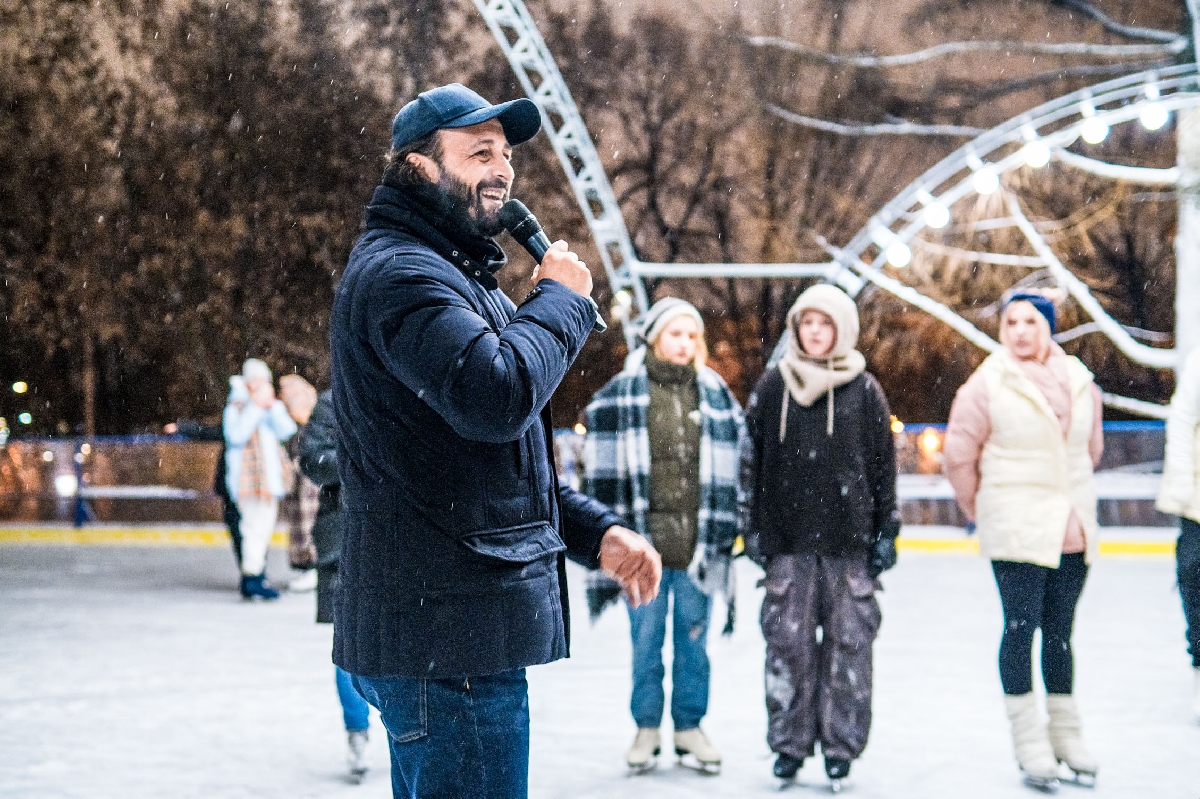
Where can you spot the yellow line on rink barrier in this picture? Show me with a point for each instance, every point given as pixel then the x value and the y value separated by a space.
pixel 964 545
pixel 214 536
pixel 971 546
pixel 1137 548
pixel 199 536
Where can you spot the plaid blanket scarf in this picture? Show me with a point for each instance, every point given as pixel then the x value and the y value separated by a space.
pixel 616 457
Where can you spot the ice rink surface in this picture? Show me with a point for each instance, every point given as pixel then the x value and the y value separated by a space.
pixel 137 672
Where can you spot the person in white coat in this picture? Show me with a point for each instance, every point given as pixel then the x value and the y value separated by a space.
pixel 1024 437
pixel 1180 496
pixel 256 424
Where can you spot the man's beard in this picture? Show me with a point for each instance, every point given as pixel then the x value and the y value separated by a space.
pixel 463 208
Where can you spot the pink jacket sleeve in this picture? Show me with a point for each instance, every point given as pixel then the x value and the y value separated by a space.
pixel 968 430
pixel 1096 442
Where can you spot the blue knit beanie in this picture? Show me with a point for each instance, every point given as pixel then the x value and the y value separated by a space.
pixel 1039 301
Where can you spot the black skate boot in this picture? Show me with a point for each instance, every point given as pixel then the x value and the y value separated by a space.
pixel 837 769
pixel 786 767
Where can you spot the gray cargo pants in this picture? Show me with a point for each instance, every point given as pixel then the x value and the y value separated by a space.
pixel 820 619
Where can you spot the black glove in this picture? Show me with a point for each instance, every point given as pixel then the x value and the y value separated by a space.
pixel 602 591
pixel 883 556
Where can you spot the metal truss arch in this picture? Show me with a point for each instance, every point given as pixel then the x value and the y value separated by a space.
pixel 1054 126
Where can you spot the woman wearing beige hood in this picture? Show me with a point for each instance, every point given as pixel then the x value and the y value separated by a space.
pixel 1024 436
pixel 819 514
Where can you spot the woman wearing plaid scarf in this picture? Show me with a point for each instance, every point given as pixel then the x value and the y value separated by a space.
pixel 661 451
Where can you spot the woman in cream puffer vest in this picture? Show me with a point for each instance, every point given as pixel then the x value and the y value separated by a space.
pixel 1024 436
pixel 1180 496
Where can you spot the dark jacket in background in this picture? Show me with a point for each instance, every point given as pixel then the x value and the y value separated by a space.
pixel 452 559
pixel 318 462
pixel 198 431
pixel 816 493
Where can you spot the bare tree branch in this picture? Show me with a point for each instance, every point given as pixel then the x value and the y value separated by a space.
pixel 1174 46
pixel 979 96
pixel 1116 27
pixel 886 129
pixel 1146 176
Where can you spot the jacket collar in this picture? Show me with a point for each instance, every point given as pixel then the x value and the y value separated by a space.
pixel 394 208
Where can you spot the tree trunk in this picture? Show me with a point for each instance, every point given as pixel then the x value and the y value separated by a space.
pixel 89 386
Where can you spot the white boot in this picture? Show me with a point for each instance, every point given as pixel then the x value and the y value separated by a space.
pixel 696 743
pixel 1031 742
pixel 1196 696
pixel 307 581
pixel 646 746
pixel 356 757
pixel 1066 735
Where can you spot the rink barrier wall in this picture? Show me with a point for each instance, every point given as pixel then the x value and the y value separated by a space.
pixel 160 479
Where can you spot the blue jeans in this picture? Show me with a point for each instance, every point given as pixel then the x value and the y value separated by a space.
pixel 464 738
pixel 355 710
pixel 1187 570
pixel 689 670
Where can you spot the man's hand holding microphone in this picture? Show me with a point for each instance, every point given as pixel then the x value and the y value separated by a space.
pixel 555 261
pixel 624 555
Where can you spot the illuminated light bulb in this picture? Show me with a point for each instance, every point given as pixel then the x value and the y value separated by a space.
pixel 937 215
pixel 65 485
pixel 1154 116
pixel 897 426
pixel 898 254
pixel 26 418
pixel 985 181
pixel 580 429
pixel 1094 130
pixel 1036 154
pixel 20 387
pixel 930 441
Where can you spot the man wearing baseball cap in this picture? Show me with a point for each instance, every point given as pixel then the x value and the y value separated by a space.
pixel 452 571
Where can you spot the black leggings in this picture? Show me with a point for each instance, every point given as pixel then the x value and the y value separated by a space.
pixel 1035 596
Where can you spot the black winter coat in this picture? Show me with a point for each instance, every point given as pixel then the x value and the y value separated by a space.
pixel 816 493
pixel 318 462
pixel 455 527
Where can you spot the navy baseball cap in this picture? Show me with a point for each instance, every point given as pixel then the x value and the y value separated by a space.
pixel 456 106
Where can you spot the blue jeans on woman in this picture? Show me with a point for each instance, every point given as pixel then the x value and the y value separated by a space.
pixel 355 710
pixel 466 738
pixel 689 669
pixel 1187 570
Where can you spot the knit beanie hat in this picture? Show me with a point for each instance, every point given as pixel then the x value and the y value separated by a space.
pixel 661 314
pixel 254 369
pixel 1043 304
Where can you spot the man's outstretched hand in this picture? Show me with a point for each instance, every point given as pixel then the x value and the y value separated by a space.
pixel 632 562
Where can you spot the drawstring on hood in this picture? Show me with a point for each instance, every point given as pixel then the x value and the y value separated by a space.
pixel 808 378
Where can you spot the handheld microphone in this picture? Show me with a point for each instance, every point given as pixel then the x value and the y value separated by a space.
pixel 523 226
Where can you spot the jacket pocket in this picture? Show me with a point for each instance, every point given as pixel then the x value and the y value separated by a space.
pixel 523 543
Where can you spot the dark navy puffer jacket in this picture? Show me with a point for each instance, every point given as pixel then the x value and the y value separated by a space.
pixel 452 559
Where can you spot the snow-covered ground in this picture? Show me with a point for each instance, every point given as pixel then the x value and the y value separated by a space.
pixel 132 672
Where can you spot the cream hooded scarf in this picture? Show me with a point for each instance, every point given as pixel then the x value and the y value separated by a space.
pixel 808 378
